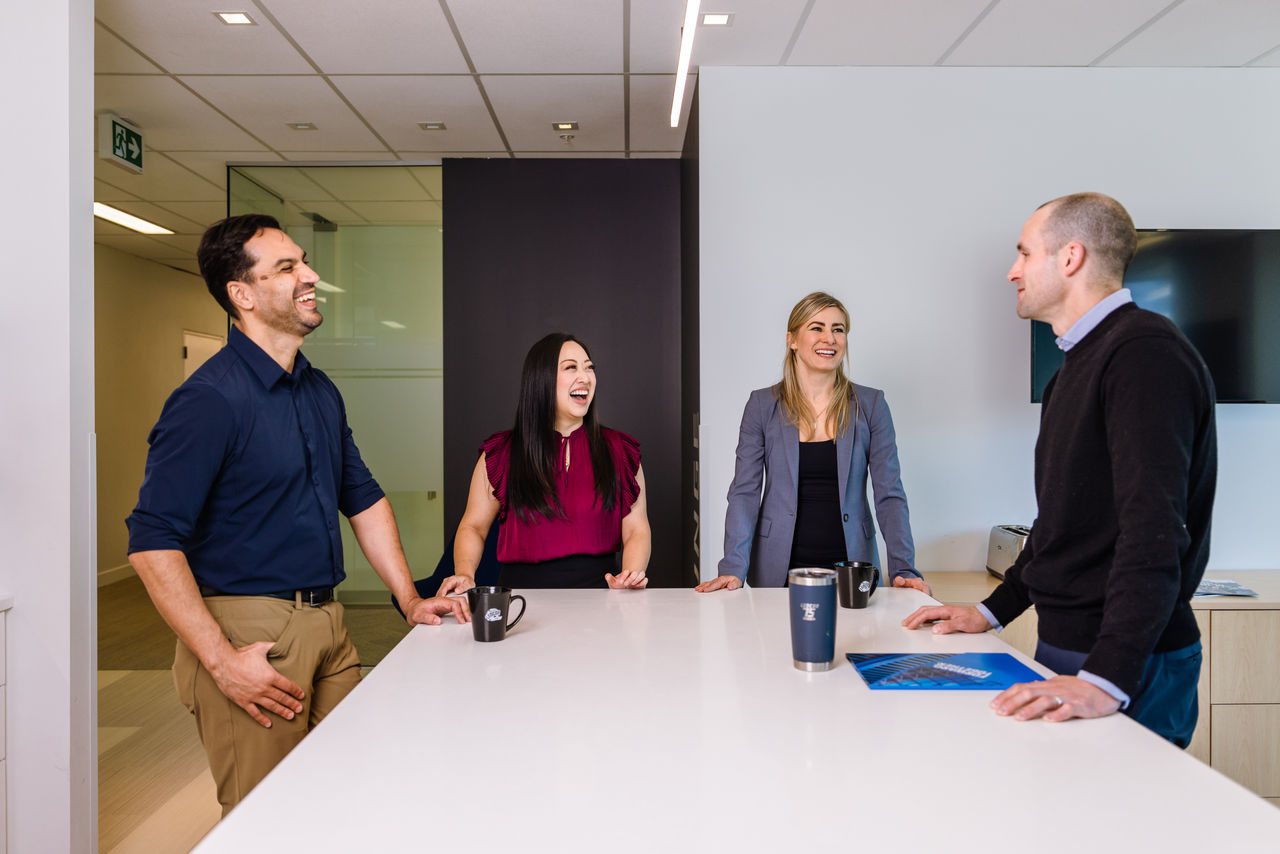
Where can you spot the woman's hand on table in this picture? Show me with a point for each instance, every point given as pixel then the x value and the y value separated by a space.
pixel 456 584
pixel 626 580
pixel 913 581
pixel 720 582
pixel 948 618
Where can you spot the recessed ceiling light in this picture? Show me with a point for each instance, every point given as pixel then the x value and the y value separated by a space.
pixel 238 19
pixel 564 125
pixel 119 217
pixel 301 125
pixel 393 324
pixel 432 125
pixel 716 20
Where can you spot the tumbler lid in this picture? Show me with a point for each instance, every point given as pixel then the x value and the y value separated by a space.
pixel 811 576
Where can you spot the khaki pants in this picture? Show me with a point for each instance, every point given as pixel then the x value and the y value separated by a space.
pixel 311 647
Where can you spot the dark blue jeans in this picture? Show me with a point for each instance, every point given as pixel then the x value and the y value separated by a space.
pixel 1165 701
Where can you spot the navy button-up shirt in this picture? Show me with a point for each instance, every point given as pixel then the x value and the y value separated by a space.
pixel 248 469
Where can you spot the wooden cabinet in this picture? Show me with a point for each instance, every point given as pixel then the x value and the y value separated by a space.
pixel 1238 732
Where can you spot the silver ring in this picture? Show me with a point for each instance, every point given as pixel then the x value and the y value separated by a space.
pixel 1058 700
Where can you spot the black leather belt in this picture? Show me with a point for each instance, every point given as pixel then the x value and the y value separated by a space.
pixel 314 596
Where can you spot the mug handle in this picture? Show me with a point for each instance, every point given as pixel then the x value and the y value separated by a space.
pixel 875 580
pixel 523 605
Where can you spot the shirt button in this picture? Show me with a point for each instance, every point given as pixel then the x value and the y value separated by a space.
pixel 330 526
pixel 316 481
pixel 846 517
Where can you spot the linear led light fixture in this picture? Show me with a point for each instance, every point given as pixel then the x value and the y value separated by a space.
pixel 322 285
pixel 239 19
pixel 300 125
pixel 564 125
pixel 119 217
pixel 716 20
pixel 686 53
pixel 393 324
pixel 432 125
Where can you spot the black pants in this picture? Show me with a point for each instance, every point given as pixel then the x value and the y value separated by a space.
pixel 572 571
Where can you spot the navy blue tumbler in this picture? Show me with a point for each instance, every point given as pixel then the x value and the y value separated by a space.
pixel 813 618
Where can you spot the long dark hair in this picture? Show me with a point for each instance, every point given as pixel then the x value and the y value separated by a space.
pixel 531 484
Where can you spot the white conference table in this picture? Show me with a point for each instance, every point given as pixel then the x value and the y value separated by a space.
pixel 665 720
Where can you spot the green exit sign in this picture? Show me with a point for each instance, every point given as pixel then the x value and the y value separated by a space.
pixel 120 142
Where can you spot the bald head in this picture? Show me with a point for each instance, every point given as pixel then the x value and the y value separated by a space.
pixel 1098 223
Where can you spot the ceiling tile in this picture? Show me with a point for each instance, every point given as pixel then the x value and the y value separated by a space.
pixel 164 180
pixel 1204 33
pixel 203 213
pixel 185 37
pixel 160 216
pixel 105 192
pixel 872 32
pixel 212 165
pixel 1013 32
pixel 655 35
pixel 544 37
pixel 655 155
pixel 287 182
pixel 527 106
pixel 168 113
pixel 333 211
pixel 431 178
pixel 349 156
pixel 113 56
pixel 368 183
pixel 1270 59
pixel 395 105
pixel 651 112
pixel 360 37
pixel 399 213
pixel 759 34
pixel 265 105
pixel 567 155
pixel 142 245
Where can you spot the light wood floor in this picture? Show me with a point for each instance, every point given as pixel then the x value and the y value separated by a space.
pixel 155 794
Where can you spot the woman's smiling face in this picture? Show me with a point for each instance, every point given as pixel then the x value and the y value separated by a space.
pixel 575 386
pixel 821 342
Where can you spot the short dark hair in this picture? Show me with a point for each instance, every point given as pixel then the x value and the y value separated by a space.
pixel 1099 223
pixel 222 256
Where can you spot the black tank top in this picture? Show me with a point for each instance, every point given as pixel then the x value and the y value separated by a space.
pixel 819 532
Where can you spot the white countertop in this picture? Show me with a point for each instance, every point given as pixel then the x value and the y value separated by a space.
pixel 670 721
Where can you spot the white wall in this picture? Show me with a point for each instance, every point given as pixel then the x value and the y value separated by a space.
pixel 46 376
pixel 902 191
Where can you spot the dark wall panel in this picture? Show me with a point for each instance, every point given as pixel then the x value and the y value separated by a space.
pixel 590 247
pixel 689 338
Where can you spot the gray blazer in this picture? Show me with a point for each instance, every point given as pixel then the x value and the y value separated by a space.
pixel 758 531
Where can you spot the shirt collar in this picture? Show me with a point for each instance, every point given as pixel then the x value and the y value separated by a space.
pixel 263 366
pixel 1092 318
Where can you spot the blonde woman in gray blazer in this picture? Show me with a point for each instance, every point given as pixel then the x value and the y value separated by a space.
pixel 814 439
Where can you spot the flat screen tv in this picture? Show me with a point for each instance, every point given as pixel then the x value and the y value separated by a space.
pixel 1222 289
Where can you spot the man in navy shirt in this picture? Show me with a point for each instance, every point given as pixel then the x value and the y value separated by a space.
pixel 236 532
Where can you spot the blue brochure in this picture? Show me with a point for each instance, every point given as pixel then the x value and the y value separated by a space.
pixel 943 671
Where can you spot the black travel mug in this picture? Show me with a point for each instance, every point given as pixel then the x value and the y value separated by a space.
pixel 489 608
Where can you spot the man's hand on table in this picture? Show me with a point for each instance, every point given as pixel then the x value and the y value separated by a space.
pixel 421 611
pixel 720 582
pixel 1058 699
pixel 913 581
pixel 455 584
pixel 948 618
pixel 245 677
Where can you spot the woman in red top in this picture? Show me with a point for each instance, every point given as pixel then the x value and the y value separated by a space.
pixel 567 493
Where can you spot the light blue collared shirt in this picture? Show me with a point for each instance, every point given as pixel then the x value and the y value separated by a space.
pixel 1073 336
pixel 1092 318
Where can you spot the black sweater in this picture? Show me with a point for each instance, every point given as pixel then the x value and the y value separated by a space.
pixel 1126 465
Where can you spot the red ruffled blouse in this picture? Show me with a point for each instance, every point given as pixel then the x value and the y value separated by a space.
pixel 586 528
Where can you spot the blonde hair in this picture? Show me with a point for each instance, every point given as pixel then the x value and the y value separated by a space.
pixel 789 393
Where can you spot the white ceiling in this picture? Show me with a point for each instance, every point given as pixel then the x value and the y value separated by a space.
pixel 499 72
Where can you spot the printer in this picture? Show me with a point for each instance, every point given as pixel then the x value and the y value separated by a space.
pixel 1004 546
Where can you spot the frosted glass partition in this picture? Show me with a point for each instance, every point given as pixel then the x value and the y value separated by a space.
pixel 373 234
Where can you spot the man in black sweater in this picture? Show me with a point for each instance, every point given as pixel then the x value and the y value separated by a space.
pixel 1125 469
